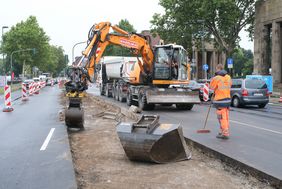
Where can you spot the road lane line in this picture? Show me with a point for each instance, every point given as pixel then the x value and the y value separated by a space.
pixel 45 144
pixel 260 128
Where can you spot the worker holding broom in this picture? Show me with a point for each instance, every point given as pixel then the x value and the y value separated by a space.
pixel 221 85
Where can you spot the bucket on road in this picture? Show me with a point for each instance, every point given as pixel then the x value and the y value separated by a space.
pixel 8 99
pixel 148 140
pixel 74 114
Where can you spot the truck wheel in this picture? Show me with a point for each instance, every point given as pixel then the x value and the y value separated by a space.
pixel 129 100
pixel 116 93
pixel 121 98
pixel 107 93
pixel 142 102
pixel 184 106
pixel 101 90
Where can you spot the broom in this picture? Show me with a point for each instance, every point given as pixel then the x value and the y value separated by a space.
pixel 204 130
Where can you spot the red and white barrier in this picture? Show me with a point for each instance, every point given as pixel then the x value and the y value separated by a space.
pixel 24 92
pixel 8 99
pixel 52 83
pixel 37 88
pixel 280 99
pixel 30 89
pixel 206 92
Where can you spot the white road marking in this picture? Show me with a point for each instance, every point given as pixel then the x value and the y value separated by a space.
pixel 45 144
pixel 260 128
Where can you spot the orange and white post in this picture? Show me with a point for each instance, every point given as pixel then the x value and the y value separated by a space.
pixel 8 99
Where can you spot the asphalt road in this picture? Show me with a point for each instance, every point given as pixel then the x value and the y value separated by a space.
pixel 256 134
pixel 34 145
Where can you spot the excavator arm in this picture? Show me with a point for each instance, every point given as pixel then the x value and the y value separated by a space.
pixel 100 37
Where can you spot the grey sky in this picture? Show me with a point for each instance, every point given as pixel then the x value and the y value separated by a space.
pixel 67 22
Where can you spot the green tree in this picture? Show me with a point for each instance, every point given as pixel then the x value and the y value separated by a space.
pixel 26 35
pixel 113 50
pixel 219 19
pixel 243 62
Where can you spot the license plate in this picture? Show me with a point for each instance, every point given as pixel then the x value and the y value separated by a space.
pixel 258 94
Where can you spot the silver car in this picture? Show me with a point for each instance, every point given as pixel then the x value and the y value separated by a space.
pixel 249 92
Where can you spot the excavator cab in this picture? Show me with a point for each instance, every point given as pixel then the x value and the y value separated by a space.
pixel 170 63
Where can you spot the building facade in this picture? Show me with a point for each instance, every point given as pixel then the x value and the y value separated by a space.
pixel 210 56
pixel 267 39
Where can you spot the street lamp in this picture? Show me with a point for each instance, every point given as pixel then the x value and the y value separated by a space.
pixel 11 59
pixel 74 47
pixel 203 46
pixel 3 27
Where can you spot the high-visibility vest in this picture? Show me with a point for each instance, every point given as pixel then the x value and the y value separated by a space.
pixel 221 86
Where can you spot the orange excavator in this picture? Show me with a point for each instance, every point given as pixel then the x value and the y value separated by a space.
pixel 149 83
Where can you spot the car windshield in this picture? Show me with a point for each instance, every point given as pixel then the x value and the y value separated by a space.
pixel 255 84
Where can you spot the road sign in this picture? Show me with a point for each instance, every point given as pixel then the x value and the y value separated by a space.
pixel 205 67
pixel 206 92
pixel 230 63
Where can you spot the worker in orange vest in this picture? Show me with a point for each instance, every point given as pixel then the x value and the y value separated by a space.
pixel 221 85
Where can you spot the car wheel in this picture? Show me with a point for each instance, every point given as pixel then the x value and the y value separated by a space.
pixel 261 105
pixel 184 106
pixel 236 102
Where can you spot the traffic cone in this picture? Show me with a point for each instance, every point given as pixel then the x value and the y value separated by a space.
pixel 7 96
pixel 24 92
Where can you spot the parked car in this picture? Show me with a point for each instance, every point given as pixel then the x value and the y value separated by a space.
pixel 249 92
pixel 28 82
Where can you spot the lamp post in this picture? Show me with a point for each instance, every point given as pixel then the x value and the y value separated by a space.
pixel 203 46
pixel 74 47
pixel 11 60
pixel 3 27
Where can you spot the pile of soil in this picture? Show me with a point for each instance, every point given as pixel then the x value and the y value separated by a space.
pixel 100 161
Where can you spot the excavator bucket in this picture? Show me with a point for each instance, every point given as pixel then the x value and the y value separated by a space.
pixel 147 140
pixel 172 95
pixel 74 115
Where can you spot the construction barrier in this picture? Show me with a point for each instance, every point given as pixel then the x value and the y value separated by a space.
pixel 24 92
pixel 37 88
pixel 8 99
pixel 52 83
pixel 30 89
pixel 206 92
pixel 280 99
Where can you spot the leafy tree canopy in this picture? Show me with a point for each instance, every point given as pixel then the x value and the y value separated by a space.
pixel 113 50
pixel 28 35
pixel 220 19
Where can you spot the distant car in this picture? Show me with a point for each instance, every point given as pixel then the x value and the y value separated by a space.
pixel 28 82
pixel 249 92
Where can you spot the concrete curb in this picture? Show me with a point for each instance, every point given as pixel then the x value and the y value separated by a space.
pixel 235 164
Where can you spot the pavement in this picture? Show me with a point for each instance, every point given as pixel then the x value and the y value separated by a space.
pixel 255 142
pixel 34 148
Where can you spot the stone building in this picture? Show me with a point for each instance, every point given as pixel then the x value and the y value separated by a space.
pixel 267 39
pixel 211 57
